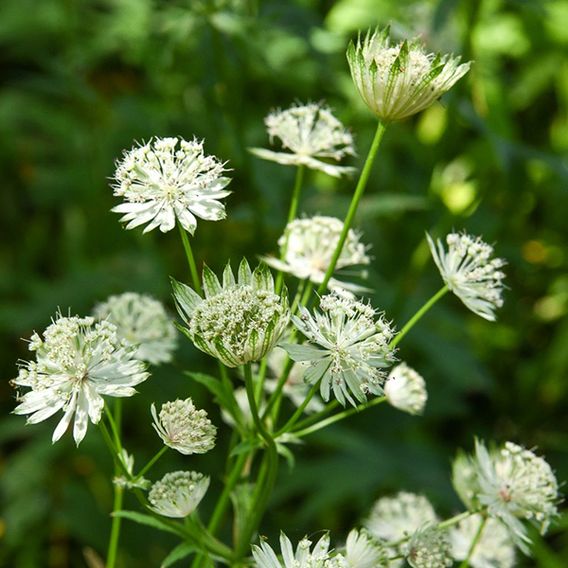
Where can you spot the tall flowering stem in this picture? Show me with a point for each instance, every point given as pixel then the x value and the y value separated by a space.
pixel 474 543
pixel 417 316
pixel 190 260
pixel 359 190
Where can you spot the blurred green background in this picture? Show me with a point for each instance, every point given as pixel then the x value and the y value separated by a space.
pixel 82 80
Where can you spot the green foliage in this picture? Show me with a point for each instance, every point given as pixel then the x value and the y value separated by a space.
pixel 83 80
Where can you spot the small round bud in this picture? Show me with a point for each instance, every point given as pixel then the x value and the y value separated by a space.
pixel 405 389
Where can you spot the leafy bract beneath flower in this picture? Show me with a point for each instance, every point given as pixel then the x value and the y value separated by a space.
pixel 397 81
pixel 238 321
pixel 348 348
pixel 311 133
pixel 169 179
pixel 77 361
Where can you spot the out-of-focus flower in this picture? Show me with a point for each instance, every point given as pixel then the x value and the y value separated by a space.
pixel 348 348
pixel 513 484
pixel 307 247
pixel 237 322
pixel 142 321
pixel 395 518
pixel 397 81
pixel 77 361
pixel 184 428
pixel 470 273
pixel 429 547
pixel 311 133
pixel 178 493
pixel 304 556
pixel 169 179
pixel 494 548
pixel 405 389
pixel 362 551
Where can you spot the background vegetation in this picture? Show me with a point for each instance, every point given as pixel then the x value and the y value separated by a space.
pixel 82 80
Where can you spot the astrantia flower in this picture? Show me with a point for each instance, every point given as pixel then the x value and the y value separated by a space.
pixel 178 493
pixel 308 246
pixel 142 321
pixel 348 348
pixel 77 361
pixel 397 81
pixel 310 132
pixel 405 389
pixel 184 428
pixel 169 179
pixel 304 556
pixel 470 273
pixel 429 547
pixel 361 551
pixel 395 518
pixel 494 549
pixel 514 484
pixel 237 322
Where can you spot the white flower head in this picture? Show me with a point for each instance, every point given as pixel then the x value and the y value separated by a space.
pixel 348 348
pixel 303 557
pixel 494 548
pixel 362 551
pixel 514 484
pixel 395 518
pixel 311 133
pixel 470 272
pixel 184 428
pixel 169 179
pixel 405 389
pixel 429 547
pixel 238 321
pixel 77 361
pixel 308 246
pixel 141 321
pixel 178 493
pixel 397 81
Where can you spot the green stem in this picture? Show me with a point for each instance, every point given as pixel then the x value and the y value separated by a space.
pixel 292 211
pixel 190 260
pixel 299 411
pixel 455 520
pixel 279 386
pixel 417 316
pixel 298 296
pixel 474 543
pixel 359 190
pixel 156 457
pixel 337 417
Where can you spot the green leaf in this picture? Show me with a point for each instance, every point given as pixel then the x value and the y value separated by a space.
pixel 180 552
pixel 244 446
pixel 150 521
pixel 213 385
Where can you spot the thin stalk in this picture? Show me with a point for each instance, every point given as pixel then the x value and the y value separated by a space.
pixel 456 519
pixel 299 411
pixel 298 296
pixel 359 190
pixel 279 386
pixel 292 212
pixel 190 260
pixel 417 316
pixel 337 417
pixel 156 457
pixel 474 543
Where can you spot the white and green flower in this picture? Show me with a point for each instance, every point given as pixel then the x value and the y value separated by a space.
pixel 178 493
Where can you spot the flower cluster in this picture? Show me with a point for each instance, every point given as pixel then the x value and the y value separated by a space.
pixel 405 389
pixel 178 493
pixel 348 348
pixel 141 321
pixel 169 179
pixel 397 81
pixel 311 133
pixel 511 484
pixel 307 247
pixel 77 361
pixel 429 547
pixel 184 428
pixel 470 273
pixel 237 322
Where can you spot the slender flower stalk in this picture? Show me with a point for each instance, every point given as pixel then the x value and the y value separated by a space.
pixel 190 260
pixel 354 205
